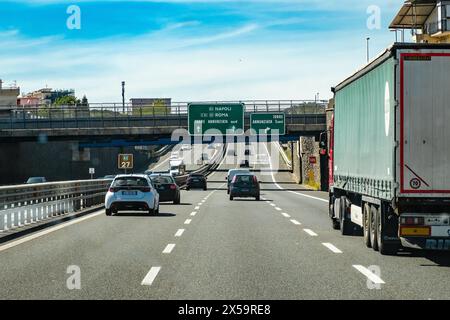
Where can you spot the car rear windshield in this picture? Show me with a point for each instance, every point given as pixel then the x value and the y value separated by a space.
pixel 233 173
pixel 162 180
pixel 244 179
pixel 130 182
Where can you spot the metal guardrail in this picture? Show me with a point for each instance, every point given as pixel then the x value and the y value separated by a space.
pixel 117 115
pixel 23 205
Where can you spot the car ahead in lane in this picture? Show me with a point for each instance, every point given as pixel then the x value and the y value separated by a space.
pixel 34 180
pixel 167 188
pixel 231 174
pixel 132 193
pixel 196 181
pixel 245 186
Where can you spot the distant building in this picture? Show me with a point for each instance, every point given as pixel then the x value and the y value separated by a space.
pixel 428 20
pixel 46 96
pixel 8 96
pixel 28 101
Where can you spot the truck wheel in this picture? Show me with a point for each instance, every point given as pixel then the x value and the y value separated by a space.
pixel 386 249
pixel 373 227
pixel 346 225
pixel 366 225
pixel 108 212
pixel 335 222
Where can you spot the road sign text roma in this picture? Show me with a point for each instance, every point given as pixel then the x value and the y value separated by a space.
pixel 225 119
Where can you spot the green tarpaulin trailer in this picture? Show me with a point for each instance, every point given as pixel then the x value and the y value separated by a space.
pixel 391 149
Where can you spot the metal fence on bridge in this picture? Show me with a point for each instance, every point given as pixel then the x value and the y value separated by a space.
pixel 117 115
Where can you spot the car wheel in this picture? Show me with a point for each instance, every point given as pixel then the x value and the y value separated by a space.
pixel 205 188
pixel 187 188
pixel 108 212
pixel 231 198
pixel 177 200
pixel 258 198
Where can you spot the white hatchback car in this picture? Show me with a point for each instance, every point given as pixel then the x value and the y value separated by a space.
pixel 132 193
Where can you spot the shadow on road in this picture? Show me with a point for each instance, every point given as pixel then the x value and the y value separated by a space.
pixel 144 214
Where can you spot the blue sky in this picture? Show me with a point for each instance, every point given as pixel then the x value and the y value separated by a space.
pixel 189 50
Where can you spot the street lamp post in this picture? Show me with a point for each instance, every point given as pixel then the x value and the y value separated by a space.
pixel 123 96
pixel 368 52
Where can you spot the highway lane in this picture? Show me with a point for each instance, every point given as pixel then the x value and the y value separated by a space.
pixel 211 248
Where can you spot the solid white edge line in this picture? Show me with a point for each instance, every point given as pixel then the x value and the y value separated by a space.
pixel 169 248
pixel 331 247
pixel 310 232
pixel 295 222
pixel 179 233
pixel 47 231
pixel 188 221
pixel 369 274
pixel 150 277
pixel 281 188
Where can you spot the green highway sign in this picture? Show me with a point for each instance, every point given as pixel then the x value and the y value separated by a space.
pixel 227 119
pixel 268 123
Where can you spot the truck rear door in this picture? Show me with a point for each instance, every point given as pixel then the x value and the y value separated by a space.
pixel 424 123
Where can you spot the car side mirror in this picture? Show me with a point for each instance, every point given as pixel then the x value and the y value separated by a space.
pixel 226 178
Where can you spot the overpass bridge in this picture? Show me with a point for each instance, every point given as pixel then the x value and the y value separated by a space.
pixel 114 124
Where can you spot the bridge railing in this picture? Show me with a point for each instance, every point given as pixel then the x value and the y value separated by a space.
pixel 117 115
pixel 24 205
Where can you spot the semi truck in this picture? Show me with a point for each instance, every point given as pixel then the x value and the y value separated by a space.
pixel 389 150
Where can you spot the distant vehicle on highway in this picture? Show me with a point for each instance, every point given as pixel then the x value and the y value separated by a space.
pixel 245 186
pixel 34 180
pixel 166 187
pixel 177 167
pixel 132 193
pixel 185 147
pixel 244 163
pixel 231 174
pixel 196 180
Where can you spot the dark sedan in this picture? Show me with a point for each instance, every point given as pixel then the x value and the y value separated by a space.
pixel 196 181
pixel 244 186
pixel 167 188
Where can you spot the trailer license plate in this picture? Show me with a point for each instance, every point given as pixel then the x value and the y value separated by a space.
pixel 129 193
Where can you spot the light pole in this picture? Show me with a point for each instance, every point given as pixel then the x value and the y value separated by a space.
pixel 368 52
pixel 123 96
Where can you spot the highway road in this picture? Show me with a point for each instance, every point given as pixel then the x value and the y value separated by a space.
pixel 282 247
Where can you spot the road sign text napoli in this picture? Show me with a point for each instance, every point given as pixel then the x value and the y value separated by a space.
pixel 226 119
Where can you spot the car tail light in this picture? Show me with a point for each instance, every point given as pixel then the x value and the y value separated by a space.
pixel 255 180
pixel 173 187
pixel 146 189
pixel 412 221
pixel 112 190
pixel 234 179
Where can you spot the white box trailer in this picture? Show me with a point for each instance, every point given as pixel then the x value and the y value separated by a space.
pixel 390 150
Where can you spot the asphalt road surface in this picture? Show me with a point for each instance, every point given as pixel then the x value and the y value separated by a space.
pixel 282 247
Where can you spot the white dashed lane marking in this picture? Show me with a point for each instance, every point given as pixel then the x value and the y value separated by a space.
pixel 278 209
pixel 193 213
pixel 150 277
pixel 295 222
pixel 188 221
pixel 369 274
pixel 310 232
pixel 197 208
pixel 285 215
pixel 179 233
pixel 332 247
pixel 169 248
